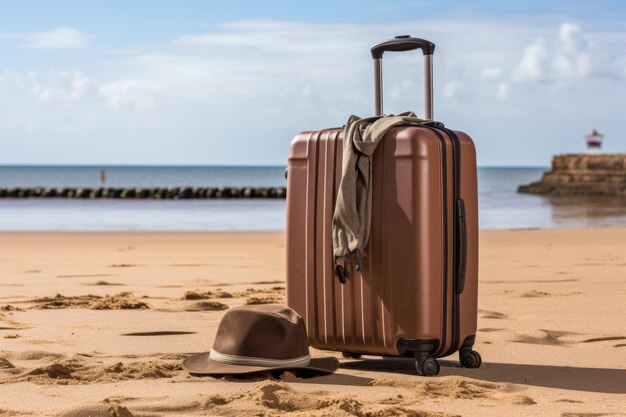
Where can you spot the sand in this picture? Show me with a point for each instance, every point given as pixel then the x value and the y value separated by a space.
pixel 97 324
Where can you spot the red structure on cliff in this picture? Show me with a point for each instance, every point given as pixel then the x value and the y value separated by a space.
pixel 594 139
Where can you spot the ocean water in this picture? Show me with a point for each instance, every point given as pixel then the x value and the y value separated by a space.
pixel 500 206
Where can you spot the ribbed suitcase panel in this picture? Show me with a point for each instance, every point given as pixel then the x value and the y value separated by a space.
pixel 319 236
pixel 312 302
pixel 384 248
pixel 330 302
pixel 324 213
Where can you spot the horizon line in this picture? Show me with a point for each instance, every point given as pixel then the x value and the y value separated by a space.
pixel 202 166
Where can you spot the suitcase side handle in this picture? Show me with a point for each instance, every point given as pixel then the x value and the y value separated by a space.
pixel 399 44
pixel 462 246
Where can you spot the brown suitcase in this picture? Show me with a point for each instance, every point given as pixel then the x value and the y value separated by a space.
pixel 417 291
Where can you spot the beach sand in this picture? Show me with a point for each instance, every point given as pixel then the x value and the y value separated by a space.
pixel 97 324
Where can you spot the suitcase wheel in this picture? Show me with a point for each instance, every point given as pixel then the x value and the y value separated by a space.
pixel 349 355
pixel 426 365
pixel 470 358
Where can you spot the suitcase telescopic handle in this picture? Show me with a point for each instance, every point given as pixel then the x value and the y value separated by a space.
pixel 399 44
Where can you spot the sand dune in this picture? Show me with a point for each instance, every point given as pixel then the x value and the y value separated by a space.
pixel 551 330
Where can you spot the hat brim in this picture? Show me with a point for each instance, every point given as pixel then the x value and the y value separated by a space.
pixel 202 364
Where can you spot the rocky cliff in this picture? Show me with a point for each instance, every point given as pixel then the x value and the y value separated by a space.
pixel 584 175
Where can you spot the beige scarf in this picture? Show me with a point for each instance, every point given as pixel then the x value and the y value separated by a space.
pixel 353 210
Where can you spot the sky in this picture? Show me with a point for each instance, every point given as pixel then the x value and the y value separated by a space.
pixel 231 83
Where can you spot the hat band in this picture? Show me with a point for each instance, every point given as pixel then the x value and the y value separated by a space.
pixel 252 361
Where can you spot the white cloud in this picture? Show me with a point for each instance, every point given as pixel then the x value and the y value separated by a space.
pixel 49 86
pixel 503 90
pixel 572 58
pixel 532 64
pixel 571 55
pixel 491 73
pixel 570 37
pixel 136 93
pixel 451 88
pixel 60 38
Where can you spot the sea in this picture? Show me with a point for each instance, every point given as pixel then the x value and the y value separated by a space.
pixel 500 206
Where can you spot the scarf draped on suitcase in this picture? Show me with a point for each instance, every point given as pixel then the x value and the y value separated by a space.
pixel 353 209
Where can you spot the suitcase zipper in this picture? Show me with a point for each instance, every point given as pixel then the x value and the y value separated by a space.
pixel 444 172
pixel 459 247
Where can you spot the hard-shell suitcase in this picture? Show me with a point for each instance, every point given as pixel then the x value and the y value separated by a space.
pixel 416 293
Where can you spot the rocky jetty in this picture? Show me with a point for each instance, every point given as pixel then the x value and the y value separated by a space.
pixel 169 193
pixel 597 175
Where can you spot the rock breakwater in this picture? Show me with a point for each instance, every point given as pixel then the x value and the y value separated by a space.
pixel 169 193
pixel 591 175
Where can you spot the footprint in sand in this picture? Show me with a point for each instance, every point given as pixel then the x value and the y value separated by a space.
pixel 216 399
pixel 159 333
pixel 5 364
pixel 486 314
pixel 81 370
pixel 121 301
pixel 223 294
pixel 262 300
pixel 535 294
pixel 250 291
pixel 197 295
pixel 273 292
pixel 35 355
pixel 106 283
pixel 9 307
pixel 277 397
pixel 456 388
pixel 528 281
pixel 550 337
pixel 84 276
pixel 207 306
pixel 604 339
pixel 523 400
pixel 490 329
pixel 11 324
pixel 204 295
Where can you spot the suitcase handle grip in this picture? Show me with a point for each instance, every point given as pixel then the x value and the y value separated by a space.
pixel 462 248
pixel 402 43
pixel 399 44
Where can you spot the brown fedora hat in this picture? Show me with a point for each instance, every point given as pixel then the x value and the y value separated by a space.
pixel 259 338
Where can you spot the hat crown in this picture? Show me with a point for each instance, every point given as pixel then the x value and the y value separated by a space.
pixel 267 331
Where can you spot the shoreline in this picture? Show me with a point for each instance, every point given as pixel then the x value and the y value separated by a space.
pixel 282 231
